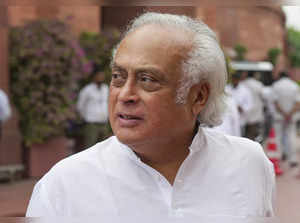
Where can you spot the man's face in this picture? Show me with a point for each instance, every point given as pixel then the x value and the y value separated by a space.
pixel 145 77
pixel 99 78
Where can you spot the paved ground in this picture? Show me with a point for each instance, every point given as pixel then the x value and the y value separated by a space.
pixel 14 197
pixel 288 196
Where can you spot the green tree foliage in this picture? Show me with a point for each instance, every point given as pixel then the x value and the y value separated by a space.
pixel 294 47
pixel 240 50
pixel 46 63
pixel 98 48
pixel 273 54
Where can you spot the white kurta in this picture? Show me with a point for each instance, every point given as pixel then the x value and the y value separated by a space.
pixel 286 93
pixel 256 113
pixel 243 98
pixel 222 176
pixel 231 119
pixel 93 103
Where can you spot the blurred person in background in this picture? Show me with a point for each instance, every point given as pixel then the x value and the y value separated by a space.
pixel 92 106
pixel 269 108
pixel 231 118
pixel 168 80
pixel 5 110
pixel 286 94
pixel 243 98
pixel 254 116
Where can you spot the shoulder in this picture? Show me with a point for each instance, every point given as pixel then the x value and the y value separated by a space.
pixel 2 94
pixel 88 88
pixel 87 162
pixel 239 148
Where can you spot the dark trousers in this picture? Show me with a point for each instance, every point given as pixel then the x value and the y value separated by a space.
pixel 253 130
pixel 93 133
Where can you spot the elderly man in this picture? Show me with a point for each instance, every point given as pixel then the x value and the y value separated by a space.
pixel 168 78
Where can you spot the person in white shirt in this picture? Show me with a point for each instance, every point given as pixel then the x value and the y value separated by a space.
pixel 5 110
pixel 92 106
pixel 255 116
pixel 286 102
pixel 231 119
pixel 269 110
pixel 243 98
pixel 168 79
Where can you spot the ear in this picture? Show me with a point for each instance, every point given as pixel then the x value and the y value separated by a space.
pixel 199 94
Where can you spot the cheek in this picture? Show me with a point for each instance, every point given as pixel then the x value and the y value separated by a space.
pixel 111 102
pixel 163 112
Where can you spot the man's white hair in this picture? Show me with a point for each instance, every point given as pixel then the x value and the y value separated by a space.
pixel 206 62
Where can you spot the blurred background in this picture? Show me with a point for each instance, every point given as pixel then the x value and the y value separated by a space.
pixel 49 53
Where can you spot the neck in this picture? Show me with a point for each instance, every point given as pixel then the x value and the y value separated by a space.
pixel 167 156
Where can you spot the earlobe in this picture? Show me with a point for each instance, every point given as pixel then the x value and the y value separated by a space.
pixel 201 94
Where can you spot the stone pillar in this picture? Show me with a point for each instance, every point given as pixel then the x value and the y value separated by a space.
pixel 81 18
pixel 47 12
pixel 208 15
pixel 18 15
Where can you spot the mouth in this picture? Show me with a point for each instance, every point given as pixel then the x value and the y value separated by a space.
pixel 129 117
pixel 129 120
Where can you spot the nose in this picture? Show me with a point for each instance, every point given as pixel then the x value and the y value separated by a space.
pixel 128 93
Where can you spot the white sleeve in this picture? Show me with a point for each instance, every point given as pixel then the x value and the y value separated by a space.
pixel 236 125
pixel 5 111
pixel 39 204
pixel 82 99
pixel 248 100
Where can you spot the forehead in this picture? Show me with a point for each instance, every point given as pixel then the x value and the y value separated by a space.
pixel 154 45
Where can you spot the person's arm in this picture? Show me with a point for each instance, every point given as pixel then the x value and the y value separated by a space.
pixel 82 100
pixel 287 116
pixel 296 106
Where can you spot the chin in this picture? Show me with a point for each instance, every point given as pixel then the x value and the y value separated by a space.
pixel 129 138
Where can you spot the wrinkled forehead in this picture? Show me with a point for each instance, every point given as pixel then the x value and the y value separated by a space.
pixel 156 37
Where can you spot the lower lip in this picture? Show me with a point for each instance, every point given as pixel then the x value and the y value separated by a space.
pixel 129 123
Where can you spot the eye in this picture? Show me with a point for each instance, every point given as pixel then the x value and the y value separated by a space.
pixel 117 80
pixel 148 83
pixel 147 79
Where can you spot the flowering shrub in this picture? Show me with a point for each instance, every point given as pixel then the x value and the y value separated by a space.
pixel 46 65
pixel 98 48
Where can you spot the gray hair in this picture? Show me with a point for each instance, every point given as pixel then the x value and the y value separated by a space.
pixel 206 62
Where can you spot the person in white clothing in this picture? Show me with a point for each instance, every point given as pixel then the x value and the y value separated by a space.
pixel 255 116
pixel 286 102
pixel 269 109
pixel 5 110
pixel 231 119
pixel 168 79
pixel 92 106
pixel 243 98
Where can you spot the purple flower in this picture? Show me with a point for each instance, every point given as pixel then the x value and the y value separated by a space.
pixel 87 67
pixel 80 53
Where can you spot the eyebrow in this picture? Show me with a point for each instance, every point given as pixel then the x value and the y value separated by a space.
pixel 159 74
pixel 138 70
pixel 117 67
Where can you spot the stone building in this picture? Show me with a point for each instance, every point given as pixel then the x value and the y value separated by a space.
pixel 258 28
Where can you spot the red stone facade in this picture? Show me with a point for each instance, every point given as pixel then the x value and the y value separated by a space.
pixel 258 28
